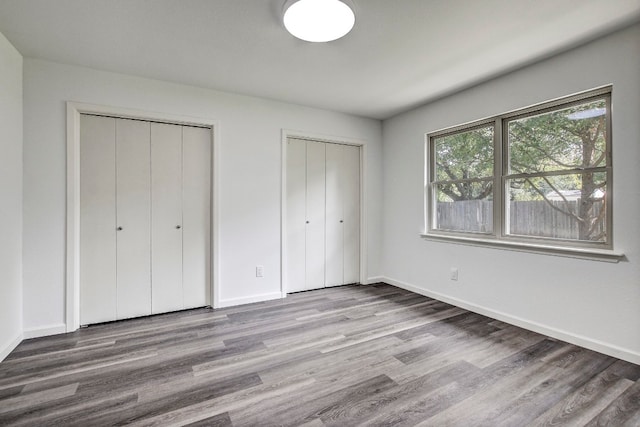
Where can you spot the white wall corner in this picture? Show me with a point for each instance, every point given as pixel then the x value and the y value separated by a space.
pixel 10 346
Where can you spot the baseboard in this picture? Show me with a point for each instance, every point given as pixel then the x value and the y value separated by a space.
pixel 8 348
pixel 45 331
pixel 248 300
pixel 375 279
pixel 580 340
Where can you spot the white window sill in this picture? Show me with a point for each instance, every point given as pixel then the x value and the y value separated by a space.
pixel 594 254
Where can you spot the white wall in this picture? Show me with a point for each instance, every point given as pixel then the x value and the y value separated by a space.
pixel 587 302
pixel 10 197
pixel 250 175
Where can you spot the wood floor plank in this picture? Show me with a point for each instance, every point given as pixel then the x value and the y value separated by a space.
pixel 422 408
pixel 220 420
pixel 360 412
pixel 512 400
pixel 346 356
pixel 66 412
pixel 625 409
pixel 307 408
pixel 264 394
pixel 25 400
pixel 579 407
pixel 149 409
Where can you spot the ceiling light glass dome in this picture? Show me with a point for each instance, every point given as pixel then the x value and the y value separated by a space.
pixel 318 20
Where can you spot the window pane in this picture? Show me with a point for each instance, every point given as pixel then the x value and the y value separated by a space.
pixel 562 207
pixel 573 137
pixel 464 155
pixel 457 213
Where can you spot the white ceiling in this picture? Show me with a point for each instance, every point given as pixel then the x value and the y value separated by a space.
pixel 401 53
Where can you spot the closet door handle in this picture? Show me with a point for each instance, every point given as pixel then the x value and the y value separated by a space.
pixel 341 221
pixel 307 222
pixel 178 227
pixel 119 229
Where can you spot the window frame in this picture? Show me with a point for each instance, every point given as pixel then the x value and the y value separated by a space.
pixel 499 237
pixel 431 158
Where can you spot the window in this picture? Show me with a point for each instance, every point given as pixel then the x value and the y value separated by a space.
pixel 538 175
pixel 464 175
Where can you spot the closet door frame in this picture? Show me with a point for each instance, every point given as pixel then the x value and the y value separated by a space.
pixel 74 110
pixel 286 134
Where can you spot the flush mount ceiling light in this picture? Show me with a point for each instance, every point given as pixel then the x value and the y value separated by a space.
pixel 318 20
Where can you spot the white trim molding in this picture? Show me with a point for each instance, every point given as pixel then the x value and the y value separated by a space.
pixel 579 340
pixel 251 299
pixel 604 255
pixel 74 110
pixel 10 346
pixel 288 133
pixel 44 331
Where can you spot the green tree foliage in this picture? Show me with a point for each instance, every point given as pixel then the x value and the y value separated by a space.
pixel 565 145
pixel 465 156
pixel 572 139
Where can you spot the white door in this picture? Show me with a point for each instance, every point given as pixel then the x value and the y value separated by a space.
pixel 323 214
pixel 97 219
pixel 315 216
pixel 145 218
pixel 351 213
pixel 196 215
pixel 334 236
pixel 296 203
pixel 342 215
pixel 166 217
pixel 133 204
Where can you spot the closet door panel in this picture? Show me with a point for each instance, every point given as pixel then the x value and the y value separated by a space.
pixel 351 198
pixel 315 207
pixel 334 245
pixel 97 219
pixel 133 185
pixel 296 201
pixel 166 217
pixel 196 216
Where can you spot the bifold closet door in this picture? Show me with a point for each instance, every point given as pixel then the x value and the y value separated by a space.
pixel 323 214
pixel 166 217
pixel 97 219
pixel 145 218
pixel 196 215
pixel 315 215
pixel 334 236
pixel 342 214
pixel 350 190
pixel 296 208
pixel 133 218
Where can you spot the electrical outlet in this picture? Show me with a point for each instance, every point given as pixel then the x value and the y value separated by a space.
pixel 259 271
pixel 453 273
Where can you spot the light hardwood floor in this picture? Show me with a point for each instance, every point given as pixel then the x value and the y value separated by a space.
pixel 355 355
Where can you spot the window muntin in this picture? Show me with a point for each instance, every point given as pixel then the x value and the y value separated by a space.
pixel 546 178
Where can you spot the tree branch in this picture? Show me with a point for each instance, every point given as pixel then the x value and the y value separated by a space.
pixel 549 201
pixel 455 197
pixel 596 221
pixel 447 170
